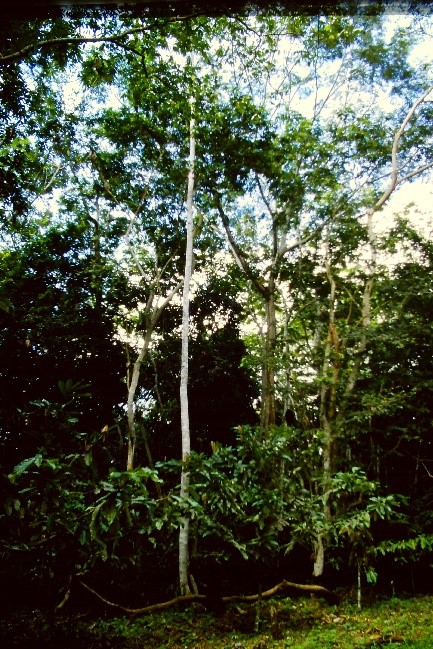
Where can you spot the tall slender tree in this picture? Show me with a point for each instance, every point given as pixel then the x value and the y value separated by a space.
pixel 184 410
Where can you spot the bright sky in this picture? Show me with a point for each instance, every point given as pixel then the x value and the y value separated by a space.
pixel 417 199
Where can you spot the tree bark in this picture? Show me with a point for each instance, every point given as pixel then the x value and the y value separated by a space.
pixel 132 389
pixel 267 293
pixel 330 376
pixel 268 408
pixel 152 315
pixel 185 430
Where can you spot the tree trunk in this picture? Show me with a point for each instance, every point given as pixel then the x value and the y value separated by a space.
pixel 151 317
pixel 267 294
pixel 132 389
pixel 268 409
pixel 330 376
pixel 186 441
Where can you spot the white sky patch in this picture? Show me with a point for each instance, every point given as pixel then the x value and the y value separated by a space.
pixel 113 99
pixel 170 54
pixel 72 92
pixel 415 202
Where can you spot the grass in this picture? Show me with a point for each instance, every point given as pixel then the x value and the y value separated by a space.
pixel 283 623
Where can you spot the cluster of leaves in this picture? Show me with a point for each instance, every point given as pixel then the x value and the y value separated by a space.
pixel 245 501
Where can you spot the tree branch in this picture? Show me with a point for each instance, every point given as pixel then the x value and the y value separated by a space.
pixel 320 591
pixel 70 40
pixel 394 154
pixel 416 172
pixel 239 256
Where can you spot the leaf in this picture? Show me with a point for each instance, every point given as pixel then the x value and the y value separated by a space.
pixel 5 305
pixel 371 575
pixel 25 464
pixel 110 514
pixel 69 389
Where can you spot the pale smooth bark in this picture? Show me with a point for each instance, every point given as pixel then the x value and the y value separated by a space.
pixel 151 316
pixel 184 411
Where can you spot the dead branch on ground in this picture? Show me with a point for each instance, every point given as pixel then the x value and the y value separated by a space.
pixel 313 589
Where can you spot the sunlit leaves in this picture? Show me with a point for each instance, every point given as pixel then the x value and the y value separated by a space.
pixel 98 70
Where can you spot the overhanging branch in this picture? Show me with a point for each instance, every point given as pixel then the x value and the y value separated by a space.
pixel 71 40
pixel 395 180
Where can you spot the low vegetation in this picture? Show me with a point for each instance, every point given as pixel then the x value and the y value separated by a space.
pixel 301 623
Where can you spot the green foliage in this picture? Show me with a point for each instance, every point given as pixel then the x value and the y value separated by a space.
pixel 59 505
pixel 407 550
pixel 98 69
pixel 92 192
pixel 246 499
pixel 239 484
pixel 69 389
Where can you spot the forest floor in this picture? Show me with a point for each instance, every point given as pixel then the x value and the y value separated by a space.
pixel 306 623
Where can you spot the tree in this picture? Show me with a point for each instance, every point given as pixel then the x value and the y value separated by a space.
pixel 296 187
pixel 63 293
pixel 288 165
pixel 333 408
pixel 184 411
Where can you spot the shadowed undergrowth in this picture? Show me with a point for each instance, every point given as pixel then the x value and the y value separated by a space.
pixel 301 623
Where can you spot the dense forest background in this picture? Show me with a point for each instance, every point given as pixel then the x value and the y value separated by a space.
pixel 306 449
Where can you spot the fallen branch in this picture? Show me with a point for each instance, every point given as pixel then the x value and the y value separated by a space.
pixel 320 591
pixel 152 608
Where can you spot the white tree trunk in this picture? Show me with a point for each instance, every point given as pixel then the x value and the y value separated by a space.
pixel 186 441
pixel 152 316
pixel 319 557
pixel 132 388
